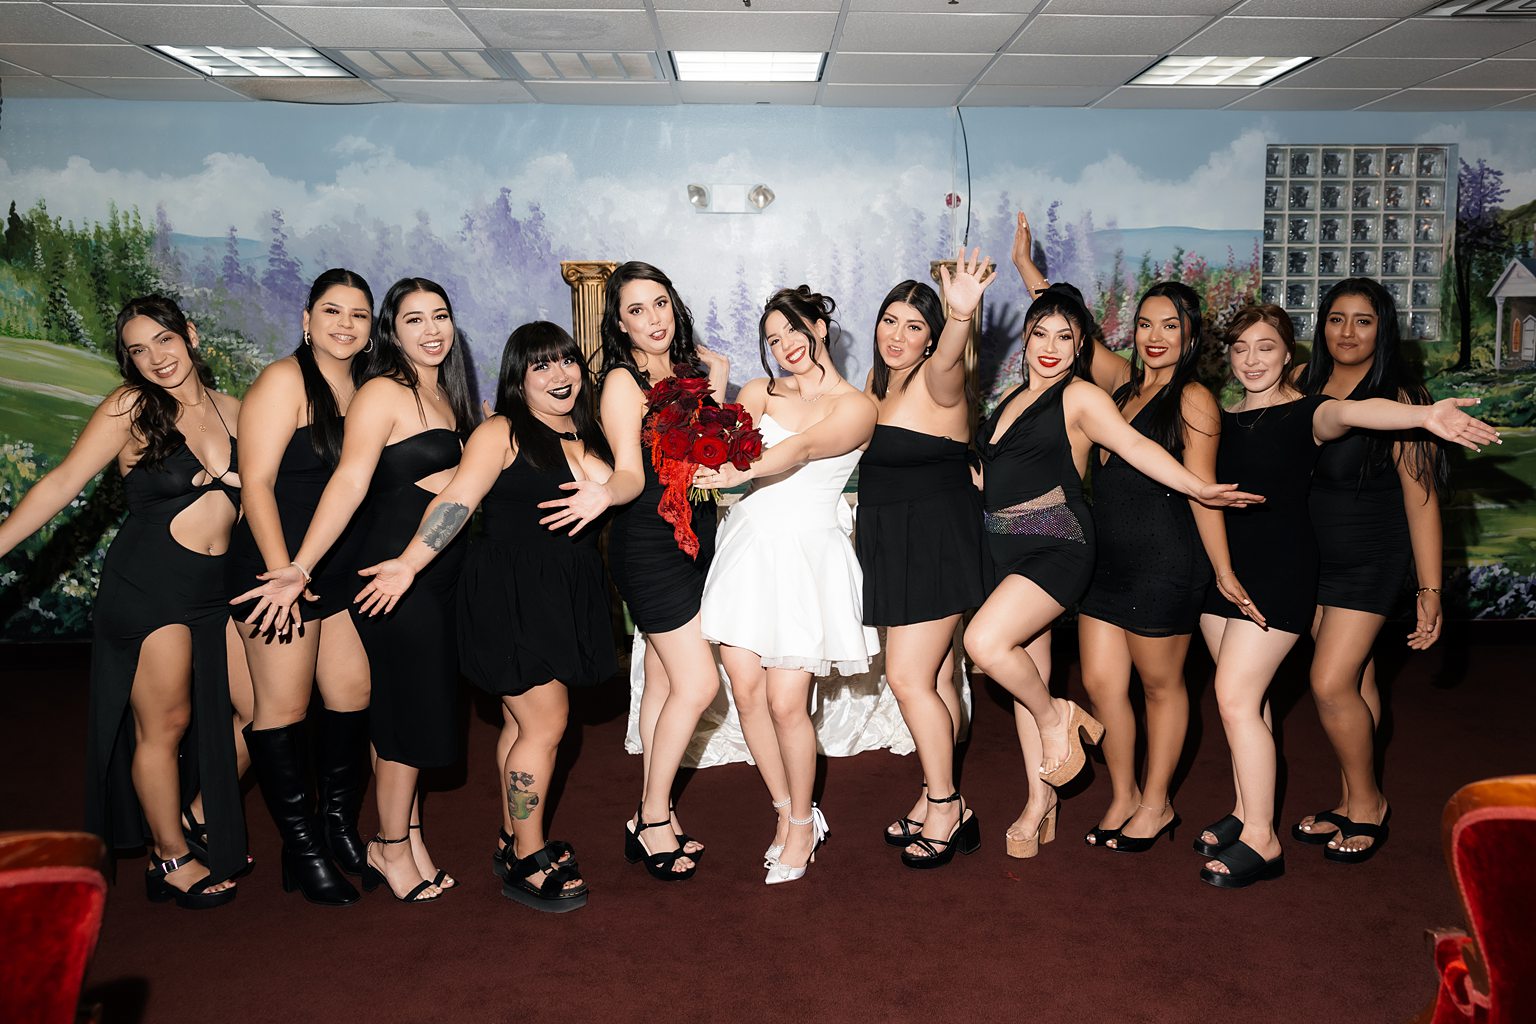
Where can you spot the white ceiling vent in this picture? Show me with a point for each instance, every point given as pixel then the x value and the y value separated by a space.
pixel 587 66
pixel 424 64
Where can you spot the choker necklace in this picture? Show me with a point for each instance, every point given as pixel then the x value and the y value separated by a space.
pixel 564 435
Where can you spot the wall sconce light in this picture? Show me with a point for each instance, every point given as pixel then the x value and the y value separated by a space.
pixel 714 197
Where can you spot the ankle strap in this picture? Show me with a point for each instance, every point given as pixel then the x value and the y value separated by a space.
pixel 165 867
pixel 391 842
pixel 945 800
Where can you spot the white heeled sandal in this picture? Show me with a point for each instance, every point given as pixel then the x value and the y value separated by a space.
pixel 780 872
pixel 772 854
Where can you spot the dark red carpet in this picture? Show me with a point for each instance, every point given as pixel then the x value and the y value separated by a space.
pixel 1075 935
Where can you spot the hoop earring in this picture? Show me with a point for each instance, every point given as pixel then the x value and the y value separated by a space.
pixel 306 338
pixel 368 347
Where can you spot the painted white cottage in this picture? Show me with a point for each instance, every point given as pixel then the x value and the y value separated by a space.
pixel 1517 287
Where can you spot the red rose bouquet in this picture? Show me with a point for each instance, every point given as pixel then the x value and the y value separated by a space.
pixel 685 431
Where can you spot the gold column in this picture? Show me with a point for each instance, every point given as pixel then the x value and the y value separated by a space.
pixel 972 343
pixel 587 278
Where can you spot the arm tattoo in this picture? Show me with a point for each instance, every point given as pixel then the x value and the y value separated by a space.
pixel 521 798
pixel 443 525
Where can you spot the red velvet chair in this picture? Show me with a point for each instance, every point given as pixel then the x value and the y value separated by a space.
pixel 1489 977
pixel 51 900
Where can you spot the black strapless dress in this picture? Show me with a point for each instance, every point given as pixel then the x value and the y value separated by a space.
pixel 919 539
pixel 1270 451
pixel 533 604
pixel 1150 573
pixel 661 585
pixel 301 479
pixel 149 581
pixel 412 656
pixel 1037 524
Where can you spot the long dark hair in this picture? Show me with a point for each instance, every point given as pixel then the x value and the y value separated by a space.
pixel 926 301
pixel 617 348
pixel 325 419
pixel 1064 300
pixel 1389 377
pixel 388 359
pixel 154 408
pixel 537 342
pixel 1167 419
pixel 802 308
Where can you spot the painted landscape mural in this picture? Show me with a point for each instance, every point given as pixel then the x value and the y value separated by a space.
pixel 232 210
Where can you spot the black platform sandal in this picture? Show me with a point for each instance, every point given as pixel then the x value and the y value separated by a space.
pixel 911 828
pixel 1301 835
pixel 504 854
pixel 160 890
pixel 1244 867
pixel 966 836
pixel 551 894
pixel 373 877
pixel 196 835
pixel 659 865
pixel 1351 828
pixel 1226 832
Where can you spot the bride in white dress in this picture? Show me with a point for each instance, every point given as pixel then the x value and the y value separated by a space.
pixel 783 598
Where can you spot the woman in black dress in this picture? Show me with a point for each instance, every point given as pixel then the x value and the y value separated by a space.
pixel 533 605
pixel 158 656
pixel 1375 508
pixel 647 335
pixel 919 535
pixel 1269 442
pixel 293 418
pixel 1034 449
pixel 403 440
pixel 1151 573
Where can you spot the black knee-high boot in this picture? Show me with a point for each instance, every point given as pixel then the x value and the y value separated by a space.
pixel 278 757
pixel 343 775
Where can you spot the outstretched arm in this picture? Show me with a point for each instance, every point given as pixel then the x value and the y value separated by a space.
pixel 850 424
pixel 944 371
pixel 1444 419
pixel 107 433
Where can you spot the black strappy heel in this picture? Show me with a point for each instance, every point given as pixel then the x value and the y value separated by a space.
pixel 965 836
pixel 159 889
pixel 659 865
pixel 373 877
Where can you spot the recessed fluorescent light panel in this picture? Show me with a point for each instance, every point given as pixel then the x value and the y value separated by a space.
pixel 1241 71
pixel 255 61
pixel 727 66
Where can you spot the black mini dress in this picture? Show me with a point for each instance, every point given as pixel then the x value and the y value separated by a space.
pixel 919 540
pixel 1151 572
pixel 533 603
pixel 1037 523
pixel 412 654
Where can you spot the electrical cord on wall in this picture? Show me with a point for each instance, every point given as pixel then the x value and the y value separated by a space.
pixel 966 142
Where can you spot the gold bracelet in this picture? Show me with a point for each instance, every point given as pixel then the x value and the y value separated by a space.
pixel 961 319
pixel 307 576
pixel 1426 590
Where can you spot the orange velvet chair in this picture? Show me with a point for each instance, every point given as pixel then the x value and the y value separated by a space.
pixel 51 900
pixel 1489 976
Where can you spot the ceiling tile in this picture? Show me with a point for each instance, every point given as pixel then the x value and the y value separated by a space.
pixel 1447 37
pixel 7 70
pixel 402 28
pixel 903 68
pixel 307 90
pixel 848 95
pixel 1281 37
pixel 1205 7
pixel 1031 96
pixel 197 26
pixel 1371 72
pixel 1526 52
pixel 1050 69
pixel 157 89
pixel 746 30
pixel 1330 9
pixel 350 3
pixel 1523 103
pixel 607 93
pixel 937 33
pixel 564 30
pixel 1308 99
pixel 179 3
pixel 1446 99
pixel 548 5
pixel 1490 74
pixel 735 6
pixel 457 92
pixel 1160 97
pixel 1088 34
pixel 36 87
pixel 927 6
pixel 39 23
pixel 787 93
pixel 130 61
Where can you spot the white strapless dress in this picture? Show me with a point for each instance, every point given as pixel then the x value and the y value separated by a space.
pixel 785 583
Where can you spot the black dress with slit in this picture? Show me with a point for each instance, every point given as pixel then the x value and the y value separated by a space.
pixel 662 587
pixel 301 479
pixel 1151 573
pixel 919 539
pixel 1037 523
pixel 533 602
pixel 1271 452
pixel 149 581
pixel 412 654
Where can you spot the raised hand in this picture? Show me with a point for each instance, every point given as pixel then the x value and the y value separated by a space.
pixel 1225 496
pixel 1023 243
pixel 963 289
pixel 391 579
pixel 1446 420
pixel 277 599
pixel 1427 627
pixel 588 500
pixel 1233 591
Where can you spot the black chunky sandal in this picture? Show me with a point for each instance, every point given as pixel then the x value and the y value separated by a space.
pixel 550 895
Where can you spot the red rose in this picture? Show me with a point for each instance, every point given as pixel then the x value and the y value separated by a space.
pixel 731 414
pixel 662 392
pixel 669 417
pixel 710 451
pixel 676 443
pixel 746 448
pixel 710 429
pixel 696 386
pixel 710 415
pixel 688 403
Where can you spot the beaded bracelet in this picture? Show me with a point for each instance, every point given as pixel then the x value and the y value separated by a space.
pixel 1426 590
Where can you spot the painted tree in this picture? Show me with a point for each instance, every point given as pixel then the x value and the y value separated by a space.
pixel 167 260
pixel 19 237
pixel 1481 239
pixel 283 279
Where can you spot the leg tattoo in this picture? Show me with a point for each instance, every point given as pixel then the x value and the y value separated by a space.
pixel 521 799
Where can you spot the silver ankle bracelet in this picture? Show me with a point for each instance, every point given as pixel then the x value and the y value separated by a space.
pixel 801 821
pixel 781 804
